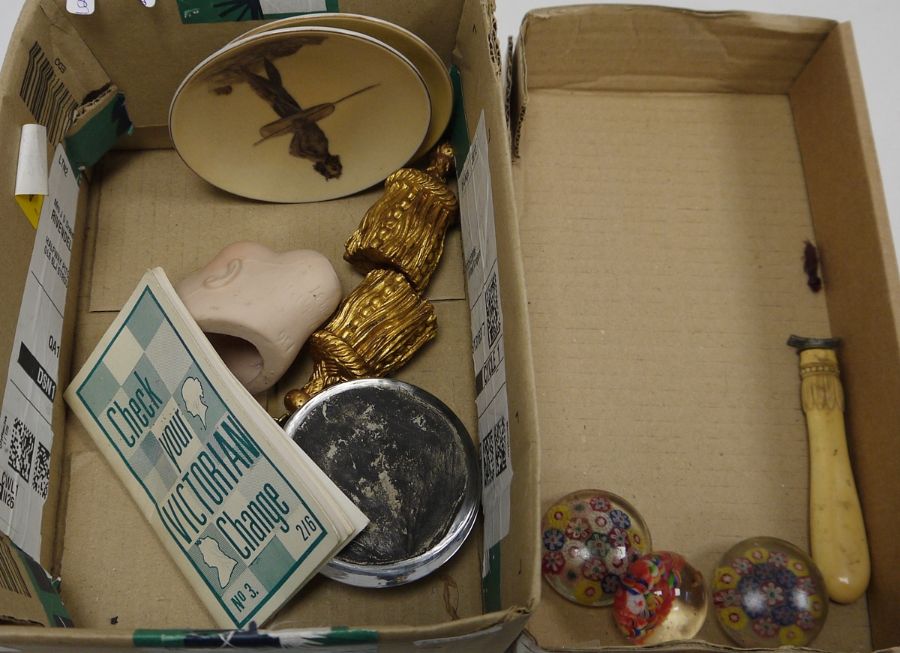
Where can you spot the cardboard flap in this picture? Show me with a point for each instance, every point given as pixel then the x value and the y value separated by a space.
pixel 863 292
pixel 50 68
pixel 26 593
pixel 148 53
pixel 71 57
pixel 657 49
pixel 630 48
pixel 527 644
pixel 47 72
pixel 516 93
pixel 520 577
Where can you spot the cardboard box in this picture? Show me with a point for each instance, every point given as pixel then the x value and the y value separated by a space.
pixel 118 582
pixel 669 166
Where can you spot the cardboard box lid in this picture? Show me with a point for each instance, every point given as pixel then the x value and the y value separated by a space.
pixel 847 201
pixel 671 165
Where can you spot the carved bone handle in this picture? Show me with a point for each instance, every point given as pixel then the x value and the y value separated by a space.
pixel 837 532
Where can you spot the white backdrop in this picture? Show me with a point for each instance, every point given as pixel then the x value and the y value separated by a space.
pixel 875 24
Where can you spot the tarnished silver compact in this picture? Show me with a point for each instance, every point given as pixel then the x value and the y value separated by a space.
pixel 405 459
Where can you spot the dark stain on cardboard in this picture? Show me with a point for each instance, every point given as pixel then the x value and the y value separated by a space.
pixel 451 596
pixel 811 266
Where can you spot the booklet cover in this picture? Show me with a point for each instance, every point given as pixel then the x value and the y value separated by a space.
pixel 245 514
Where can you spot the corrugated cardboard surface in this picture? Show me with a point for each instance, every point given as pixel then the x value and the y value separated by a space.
pixel 101 582
pixel 150 209
pixel 153 211
pixel 20 599
pixel 852 227
pixel 661 366
pixel 662 236
pixel 142 208
pixel 520 570
pixel 149 53
pixel 668 49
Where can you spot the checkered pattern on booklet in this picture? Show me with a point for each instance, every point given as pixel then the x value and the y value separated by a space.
pixel 194 465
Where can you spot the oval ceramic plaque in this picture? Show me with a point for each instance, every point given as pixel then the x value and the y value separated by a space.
pixel 423 57
pixel 300 114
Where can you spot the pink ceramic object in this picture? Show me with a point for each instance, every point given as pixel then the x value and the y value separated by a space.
pixel 259 307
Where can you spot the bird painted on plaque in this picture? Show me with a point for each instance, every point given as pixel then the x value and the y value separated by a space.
pixel 308 140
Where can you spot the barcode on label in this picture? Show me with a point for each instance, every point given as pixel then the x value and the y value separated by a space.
pixel 40 482
pixel 487 458
pixel 495 451
pixel 492 308
pixel 21 448
pixel 46 96
pixel 10 577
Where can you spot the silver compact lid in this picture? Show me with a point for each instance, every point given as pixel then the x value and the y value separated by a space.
pixel 405 459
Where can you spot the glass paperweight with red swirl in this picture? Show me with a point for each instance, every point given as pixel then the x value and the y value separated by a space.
pixel 662 598
pixel 589 539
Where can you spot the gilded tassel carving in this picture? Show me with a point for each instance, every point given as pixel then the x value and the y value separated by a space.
pixel 376 330
pixel 398 246
pixel 404 230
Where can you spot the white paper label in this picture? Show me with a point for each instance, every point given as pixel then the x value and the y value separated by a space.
pixel 26 435
pixel 31 172
pixel 326 640
pixel 148 3
pixel 270 7
pixel 486 315
pixel 80 7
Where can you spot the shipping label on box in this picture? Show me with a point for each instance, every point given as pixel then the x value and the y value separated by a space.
pixel 486 316
pixel 26 434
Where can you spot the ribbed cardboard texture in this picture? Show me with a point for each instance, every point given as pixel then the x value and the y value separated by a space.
pixel 117 577
pixel 130 238
pixel 20 596
pixel 671 166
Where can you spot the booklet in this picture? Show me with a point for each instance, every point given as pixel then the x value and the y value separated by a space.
pixel 245 513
